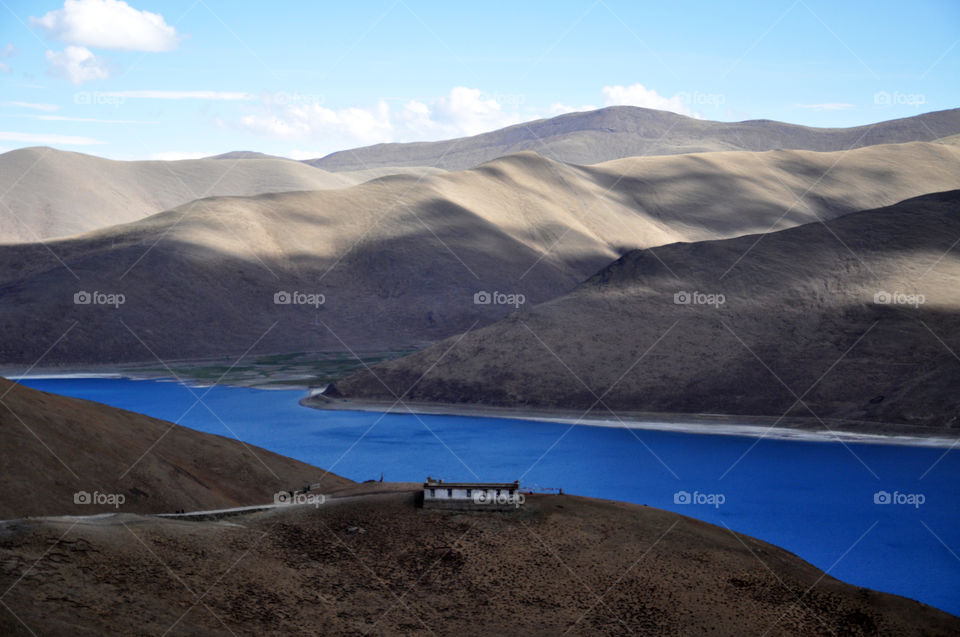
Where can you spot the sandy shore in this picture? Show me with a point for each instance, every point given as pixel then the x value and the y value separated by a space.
pixel 810 430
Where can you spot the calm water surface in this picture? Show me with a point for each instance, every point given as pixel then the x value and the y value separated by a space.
pixel 816 499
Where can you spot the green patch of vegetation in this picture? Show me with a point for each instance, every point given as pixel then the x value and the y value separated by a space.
pixel 311 369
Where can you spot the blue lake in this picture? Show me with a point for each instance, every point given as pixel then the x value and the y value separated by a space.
pixel 816 499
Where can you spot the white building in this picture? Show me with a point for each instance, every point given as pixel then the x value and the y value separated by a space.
pixel 472 496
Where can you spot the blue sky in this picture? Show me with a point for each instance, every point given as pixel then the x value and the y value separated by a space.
pixel 172 79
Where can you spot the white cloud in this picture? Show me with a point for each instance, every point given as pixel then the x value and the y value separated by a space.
pixel 463 111
pixel 108 24
pixel 4 67
pixel 49 108
pixel 559 108
pixel 829 106
pixel 77 64
pixel 639 95
pixel 230 96
pixel 313 122
pixel 33 138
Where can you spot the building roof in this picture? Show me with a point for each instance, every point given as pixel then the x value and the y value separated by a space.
pixel 433 484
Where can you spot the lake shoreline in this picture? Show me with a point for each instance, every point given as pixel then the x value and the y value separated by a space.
pixel 798 429
pixel 749 426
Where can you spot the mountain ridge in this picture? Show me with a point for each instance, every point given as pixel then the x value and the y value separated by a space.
pixel 615 132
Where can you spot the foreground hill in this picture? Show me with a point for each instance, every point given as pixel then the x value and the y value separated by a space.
pixel 53 193
pixel 398 260
pixel 625 131
pixel 380 565
pixel 857 318
pixel 52 447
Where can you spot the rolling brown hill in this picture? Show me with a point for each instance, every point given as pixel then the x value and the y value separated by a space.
pixel 52 447
pixel 596 136
pixel 54 193
pixel 49 193
pixel 380 565
pixel 855 318
pixel 399 259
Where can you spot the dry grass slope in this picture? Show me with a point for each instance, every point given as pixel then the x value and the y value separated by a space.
pixel 399 258
pixel 52 447
pixel 800 332
pixel 585 566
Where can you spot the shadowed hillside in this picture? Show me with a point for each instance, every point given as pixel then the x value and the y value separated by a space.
pixel 399 259
pixel 626 131
pixel 53 193
pixel 52 447
pixel 856 318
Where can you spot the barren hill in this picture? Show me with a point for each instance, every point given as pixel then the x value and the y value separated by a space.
pixel 379 565
pixel 625 131
pixel 52 447
pixel 399 259
pixel 857 318
pixel 54 193
pixel 48 193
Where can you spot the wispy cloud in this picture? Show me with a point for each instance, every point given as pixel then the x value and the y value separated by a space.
pixel 828 106
pixel 35 138
pixel 77 64
pixel 49 108
pixel 94 120
pixel 7 52
pixel 229 96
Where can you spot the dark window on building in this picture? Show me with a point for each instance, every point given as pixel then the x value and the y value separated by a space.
pixel 498 491
pixel 469 493
pixel 449 493
pixel 433 493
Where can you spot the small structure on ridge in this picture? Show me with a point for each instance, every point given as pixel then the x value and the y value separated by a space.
pixel 472 496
